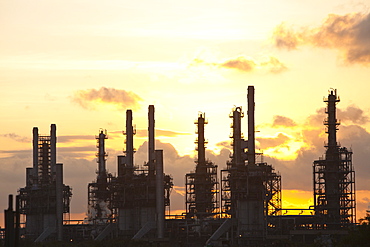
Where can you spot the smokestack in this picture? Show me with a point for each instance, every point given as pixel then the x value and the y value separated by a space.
pixel 159 192
pixel 35 142
pixel 129 140
pixel 237 137
pixel 151 140
pixel 201 141
pixel 9 224
pixel 331 121
pixel 53 148
pixel 251 130
pixel 59 201
pixel 101 153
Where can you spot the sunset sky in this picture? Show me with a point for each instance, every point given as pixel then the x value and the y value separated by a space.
pixel 82 64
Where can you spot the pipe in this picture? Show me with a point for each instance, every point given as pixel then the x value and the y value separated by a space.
pixel 53 148
pixel 151 140
pixel 59 200
pixel 159 192
pixel 251 129
pixel 237 137
pixel 129 140
pixel 9 223
pixel 35 142
pixel 201 141
pixel 101 153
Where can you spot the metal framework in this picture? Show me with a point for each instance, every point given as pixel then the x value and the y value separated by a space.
pixel 201 185
pixel 250 190
pixel 45 200
pixel 334 178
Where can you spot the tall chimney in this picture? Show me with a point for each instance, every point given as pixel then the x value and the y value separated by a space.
pixel 251 130
pixel 129 140
pixel 151 141
pixel 159 192
pixel 35 143
pixel 53 148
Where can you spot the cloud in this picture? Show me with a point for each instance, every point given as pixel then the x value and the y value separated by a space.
pixel 121 99
pixel 273 142
pixel 16 137
pixel 352 114
pixel 281 121
pixel 348 34
pixel 246 64
pixel 142 133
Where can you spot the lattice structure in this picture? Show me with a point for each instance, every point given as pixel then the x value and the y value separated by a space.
pixel 45 200
pixel 202 185
pixel 345 195
pixel 334 178
pixel 250 190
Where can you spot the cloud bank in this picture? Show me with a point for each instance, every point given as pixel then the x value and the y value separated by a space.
pixel 246 64
pixel 119 98
pixel 348 34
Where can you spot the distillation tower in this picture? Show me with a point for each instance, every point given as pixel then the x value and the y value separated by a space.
pixel 334 177
pixel 250 190
pixel 45 199
pixel 202 185
pixel 99 197
pixel 140 196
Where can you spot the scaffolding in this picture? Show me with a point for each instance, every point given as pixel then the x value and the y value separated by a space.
pixel 45 201
pixel 250 189
pixel 201 185
pixel 334 178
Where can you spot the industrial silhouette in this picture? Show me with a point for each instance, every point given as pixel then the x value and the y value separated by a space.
pixel 239 207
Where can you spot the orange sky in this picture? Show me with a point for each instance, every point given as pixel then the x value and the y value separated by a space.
pixel 81 64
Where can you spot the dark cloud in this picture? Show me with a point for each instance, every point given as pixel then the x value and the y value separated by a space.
pixel 119 98
pixel 225 144
pixel 273 142
pixel 348 34
pixel 245 64
pixel 16 137
pixel 352 114
pixel 281 121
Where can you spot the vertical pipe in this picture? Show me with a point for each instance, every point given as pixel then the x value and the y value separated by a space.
pixel 17 221
pixel 151 140
pixel 201 141
pixel 59 201
pixel 129 140
pixel 35 154
pixel 101 153
pixel 251 130
pixel 9 223
pixel 159 192
pixel 29 176
pixel 53 148
pixel 120 165
pixel 237 141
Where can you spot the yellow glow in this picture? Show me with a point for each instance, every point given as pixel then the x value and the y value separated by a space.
pixel 297 199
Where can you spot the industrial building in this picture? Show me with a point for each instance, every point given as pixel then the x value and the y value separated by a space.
pixel 240 205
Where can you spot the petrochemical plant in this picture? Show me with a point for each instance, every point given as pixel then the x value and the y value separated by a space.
pixel 239 205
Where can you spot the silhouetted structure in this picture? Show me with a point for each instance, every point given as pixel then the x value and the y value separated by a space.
pixel 45 199
pixel 201 185
pixel 334 178
pixel 132 204
pixel 250 190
